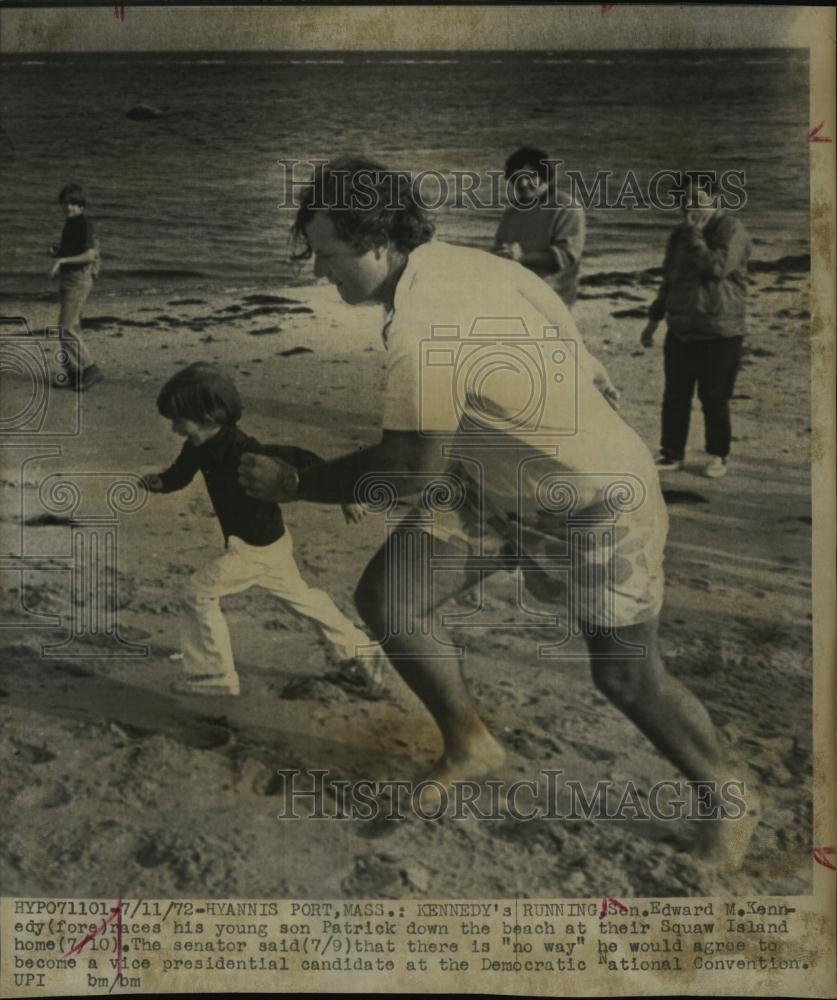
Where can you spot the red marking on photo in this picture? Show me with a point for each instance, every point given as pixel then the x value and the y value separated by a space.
pixel 606 7
pixel 814 134
pixel 821 855
pixel 115 914
pixel 119 13
pixel 607 902
pixel 118 977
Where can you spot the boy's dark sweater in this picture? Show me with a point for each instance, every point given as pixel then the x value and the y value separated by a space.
pixel 76 237
pixel 257 522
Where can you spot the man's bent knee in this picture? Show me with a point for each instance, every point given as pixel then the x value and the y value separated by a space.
pixel 370 602
pixel 625 684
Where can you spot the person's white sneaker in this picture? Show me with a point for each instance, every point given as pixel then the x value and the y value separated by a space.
pixel 662 461
pixel 716 467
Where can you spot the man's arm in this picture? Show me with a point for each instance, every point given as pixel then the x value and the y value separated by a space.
pixel 599 376
pixel 730 254
pixel 411 458
pixel 299 458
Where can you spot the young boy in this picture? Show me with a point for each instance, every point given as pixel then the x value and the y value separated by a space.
pixel 538 229
pixel 204 407
pixel 76 265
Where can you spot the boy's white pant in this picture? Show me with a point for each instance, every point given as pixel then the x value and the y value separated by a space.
pixel 205 636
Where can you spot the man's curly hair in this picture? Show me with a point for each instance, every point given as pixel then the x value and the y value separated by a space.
pixel 368 204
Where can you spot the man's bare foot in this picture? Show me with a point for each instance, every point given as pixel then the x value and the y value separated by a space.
pixel 724 843
pixel 480 756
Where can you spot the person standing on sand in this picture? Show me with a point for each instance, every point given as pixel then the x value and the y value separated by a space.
pixel 703 299
pixel 576 449
pixel 76 266
pixel 535 229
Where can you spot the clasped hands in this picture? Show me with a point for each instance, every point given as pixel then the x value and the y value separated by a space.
pixel 276 481
pixel 514 251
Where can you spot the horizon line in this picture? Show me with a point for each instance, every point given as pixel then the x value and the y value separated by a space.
pixel 413 52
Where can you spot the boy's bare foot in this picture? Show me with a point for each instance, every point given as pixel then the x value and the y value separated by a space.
pixel 479 756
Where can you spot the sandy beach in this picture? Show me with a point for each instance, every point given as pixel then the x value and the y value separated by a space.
pixel 119 788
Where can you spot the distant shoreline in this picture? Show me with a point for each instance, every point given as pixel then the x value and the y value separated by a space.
pixel 184 281
pixel 412 55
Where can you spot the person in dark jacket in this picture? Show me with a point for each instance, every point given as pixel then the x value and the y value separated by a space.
pixel 203 405
pixel 536 229
pixel 76 266
pixel 703 299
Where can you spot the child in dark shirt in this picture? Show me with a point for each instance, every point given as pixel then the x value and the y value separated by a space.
pixel 76 266
pixel 204 407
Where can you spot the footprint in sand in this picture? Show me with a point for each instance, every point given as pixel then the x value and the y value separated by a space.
pixel 151 855
pixel 312 689
pixel 375 875
pixel 295 350
pixel 47 520
pixel 127 732
pixel 683 496
pixel 542 834
pixel 46 795
pixel 33 755
pixel 73 669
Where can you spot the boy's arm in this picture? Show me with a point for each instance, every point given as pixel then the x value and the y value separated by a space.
pixel 181 472
pixel 82 258
pixel 86 256
pixel 299 458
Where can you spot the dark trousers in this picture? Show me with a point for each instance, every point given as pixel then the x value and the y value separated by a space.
pixel 711 365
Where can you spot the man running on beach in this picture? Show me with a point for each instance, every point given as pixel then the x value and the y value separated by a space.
pixel 468 335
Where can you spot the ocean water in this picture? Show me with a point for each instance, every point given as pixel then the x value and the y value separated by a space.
pixel 194 199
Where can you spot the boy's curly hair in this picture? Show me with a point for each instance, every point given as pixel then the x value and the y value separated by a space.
pixel 529 159
pixel 368 204
pixel 201 393
pixel 73 194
